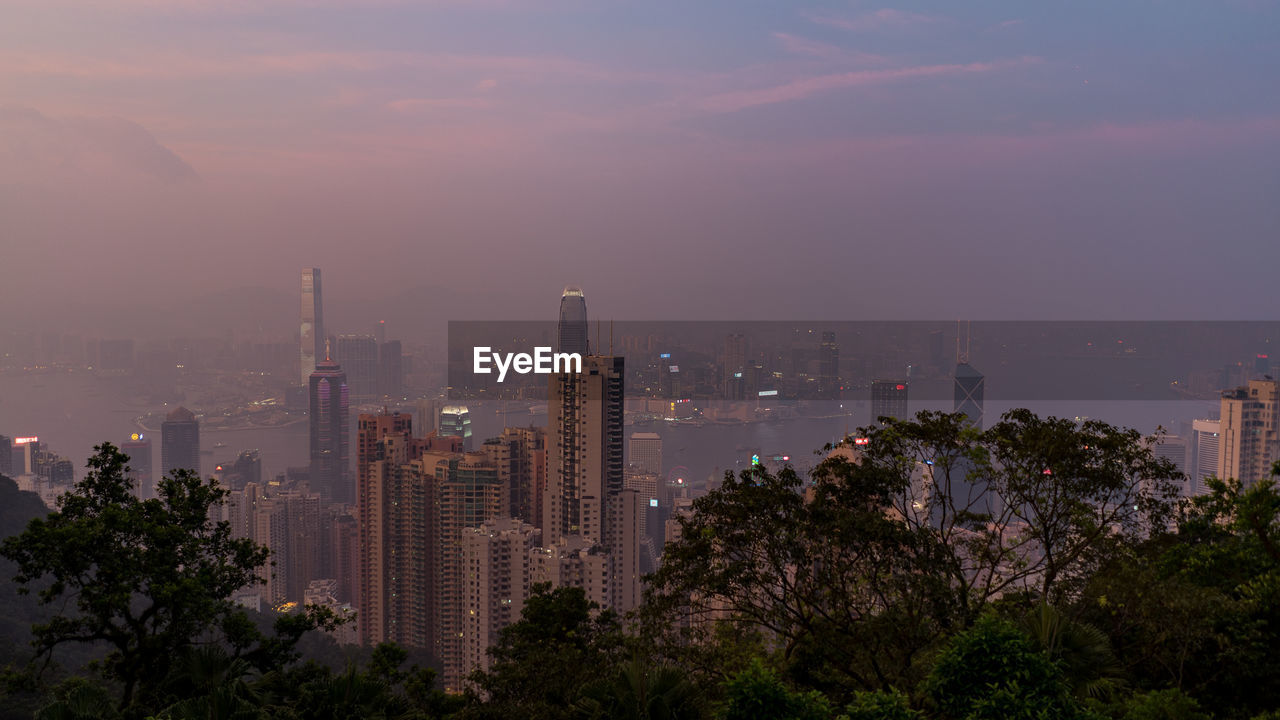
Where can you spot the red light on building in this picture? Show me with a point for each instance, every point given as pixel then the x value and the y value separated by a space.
pixel 861 441
pixel 900 387
pixel 25 440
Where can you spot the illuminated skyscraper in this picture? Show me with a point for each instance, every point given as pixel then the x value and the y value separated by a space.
pixel 180 442
pixel 455 421
pixel 646 452
pixel 330 439
pixel 970 387
pixel 312 323
pixel 888 399
pixel 572 335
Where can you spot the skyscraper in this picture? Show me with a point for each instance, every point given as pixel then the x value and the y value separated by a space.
pixel 6 457
pixel 180 442
pixel 888 399
pixel 390 369
pixel 572 331
pixel 330 440
pixel 312 335
pixel 646 452
pixel 1203 463
pixel 138 448
pixel 585 456
pixel 358 356
pixel 1250 431
pixel 970 387
pixel 455 421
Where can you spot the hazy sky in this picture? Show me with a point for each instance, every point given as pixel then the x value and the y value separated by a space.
pixel 707 158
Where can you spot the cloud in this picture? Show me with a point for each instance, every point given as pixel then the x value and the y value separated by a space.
pixel 797 45
pixel 883 19
pixel 806 87
pixel 35 147
pixel 448 103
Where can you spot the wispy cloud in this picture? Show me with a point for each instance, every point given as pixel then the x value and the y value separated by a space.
pixel 807 47
pixel 447 103
pixel 886 18
pixel 806 87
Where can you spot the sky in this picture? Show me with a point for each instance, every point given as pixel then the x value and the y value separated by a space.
pixel 163 161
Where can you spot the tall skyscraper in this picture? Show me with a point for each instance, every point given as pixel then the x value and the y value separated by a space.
pixel 6 457
pixel 455 421
pixel 180 442
pixel 390 369
pixel 970 387
pixel 312 323
pixel 138 448
pixel 358 356
pixel 646 452
pixel 1250 431
pixel 1206 440
pixel 520 456
pixel 330 438
pixel 572 331
pixel 735 366
pixel 889 399
pixel 585 461
pixel 495 559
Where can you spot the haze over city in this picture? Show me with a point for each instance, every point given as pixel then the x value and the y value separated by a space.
pixel 582 360
pixel 166 161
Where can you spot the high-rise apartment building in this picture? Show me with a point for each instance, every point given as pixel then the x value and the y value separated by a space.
pixel 584 454
pixel 495 562
pixel 888 399
pixel 520 456
pixel 312 328
pixel 330 435
pixel 1250 431
pixel 180 442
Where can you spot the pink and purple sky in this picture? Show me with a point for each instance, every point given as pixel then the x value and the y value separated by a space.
pixel 728 159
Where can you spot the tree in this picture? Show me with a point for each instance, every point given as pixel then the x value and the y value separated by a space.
pixel 995 672
pixel 639 691
pixel 541 665
pixel 148 579
pixel 757 692
pixel 904 538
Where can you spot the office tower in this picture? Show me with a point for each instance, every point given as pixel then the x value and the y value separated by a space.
pixel 888 399
pixel 427 414
pixel 180 442
pixel 455 421
pixel 1250 431
pixel 390 369
pixel 520 456
pixel 380 332
pixel 572 331
pixel 646 452
pixel 397 544
pixel 313 336
pixel 828 367
pixel 6 457
pixel 343 563
pixel 969 390
pixel 468 494
pixel 330 439
pixel 495 560
pixel 138 448
pixel 735 366
pixel 358 356
pixel 1204 451
pixel 584 453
